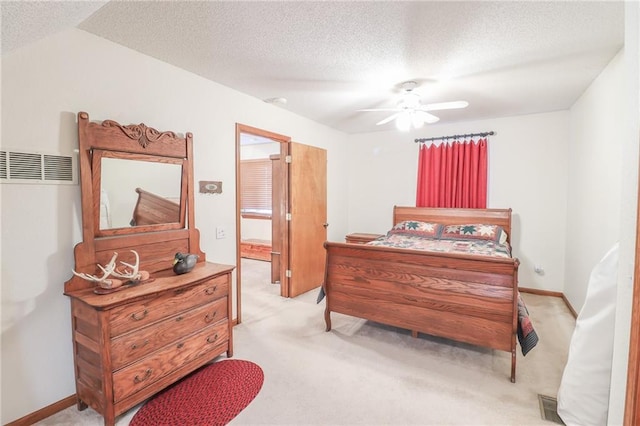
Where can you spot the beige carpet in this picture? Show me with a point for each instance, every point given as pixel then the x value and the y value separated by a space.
pixel 363 373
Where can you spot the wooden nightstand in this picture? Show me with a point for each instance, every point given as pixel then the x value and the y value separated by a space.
pixel 360 238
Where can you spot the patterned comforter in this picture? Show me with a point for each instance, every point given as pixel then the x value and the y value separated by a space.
pixel 478 247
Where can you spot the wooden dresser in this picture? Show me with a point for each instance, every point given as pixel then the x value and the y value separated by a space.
pixel 131 343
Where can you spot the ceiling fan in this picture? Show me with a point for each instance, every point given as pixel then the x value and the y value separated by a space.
pixel 411 112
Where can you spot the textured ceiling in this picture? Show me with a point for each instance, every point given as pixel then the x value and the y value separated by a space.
pixel 24 22
pixel 329 59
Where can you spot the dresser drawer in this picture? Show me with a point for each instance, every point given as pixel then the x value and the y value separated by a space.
pixel 136 344
pixel 156 365
pixel 144 312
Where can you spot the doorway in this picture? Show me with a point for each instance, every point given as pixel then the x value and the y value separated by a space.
pixel 260 150
pixel 297 213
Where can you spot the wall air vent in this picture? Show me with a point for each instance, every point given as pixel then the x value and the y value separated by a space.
pixel 3 164
pixel 33 167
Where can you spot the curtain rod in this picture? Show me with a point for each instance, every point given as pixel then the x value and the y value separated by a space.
pixel 466 135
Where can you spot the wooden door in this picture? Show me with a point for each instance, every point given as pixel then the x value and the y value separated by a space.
pixel 278 185
pixel 279 224
pixel 632 401
pixel 308 208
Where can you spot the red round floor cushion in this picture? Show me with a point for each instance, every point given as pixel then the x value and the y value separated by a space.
pixel 212 395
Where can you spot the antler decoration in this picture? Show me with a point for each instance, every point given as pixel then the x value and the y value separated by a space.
pixel 130 273
pixel 104 280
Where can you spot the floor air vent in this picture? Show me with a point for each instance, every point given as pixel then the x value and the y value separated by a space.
pixel 549 409
pixel 33 167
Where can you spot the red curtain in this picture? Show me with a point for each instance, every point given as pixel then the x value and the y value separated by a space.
pixel 453 175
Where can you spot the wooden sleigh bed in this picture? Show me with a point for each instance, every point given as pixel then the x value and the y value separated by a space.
pixel 468 298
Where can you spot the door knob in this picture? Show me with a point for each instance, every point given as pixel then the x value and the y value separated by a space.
pixel 325 224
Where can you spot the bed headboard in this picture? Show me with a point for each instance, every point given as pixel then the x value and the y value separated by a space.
pixel 447 216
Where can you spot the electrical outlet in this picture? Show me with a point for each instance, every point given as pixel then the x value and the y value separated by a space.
pixel 220 232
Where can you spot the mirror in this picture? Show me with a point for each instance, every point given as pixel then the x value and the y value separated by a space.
pixel 137 193
pixel 119 192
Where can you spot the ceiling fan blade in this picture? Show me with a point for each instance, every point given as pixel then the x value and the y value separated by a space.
pixel 388 119
pixel 444 105
pixel 379 109
pixel 426 117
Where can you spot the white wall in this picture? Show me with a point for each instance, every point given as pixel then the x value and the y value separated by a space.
pixel 595 160
pixel 44 85
pixel 602 198
pixel 527 172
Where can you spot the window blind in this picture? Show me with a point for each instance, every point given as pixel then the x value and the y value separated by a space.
pixel 255 194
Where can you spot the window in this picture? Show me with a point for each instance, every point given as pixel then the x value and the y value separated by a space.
pixel 255 198
pixel 453 175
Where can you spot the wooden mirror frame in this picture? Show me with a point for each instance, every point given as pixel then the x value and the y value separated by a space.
pixel 156 244
pixel 98 155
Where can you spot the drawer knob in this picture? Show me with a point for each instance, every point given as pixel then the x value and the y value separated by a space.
pixel 180 318
pixel 135 345
pixel 212 339
pixel 210 317
pixel 138 317
pixel 180 345
pixel 147 374
pixel 211 290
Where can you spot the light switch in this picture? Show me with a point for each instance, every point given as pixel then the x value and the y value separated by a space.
pixel 220 232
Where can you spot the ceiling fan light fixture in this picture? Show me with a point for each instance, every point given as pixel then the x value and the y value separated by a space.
pixel 410 112
pixel 408 119
pixel 417 119
pixel 403 121
pixel 409 100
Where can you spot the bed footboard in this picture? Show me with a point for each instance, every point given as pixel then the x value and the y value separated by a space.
pixel 467 298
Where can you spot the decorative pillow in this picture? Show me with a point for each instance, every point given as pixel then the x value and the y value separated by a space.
pixel 413 227
pixel 477 231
